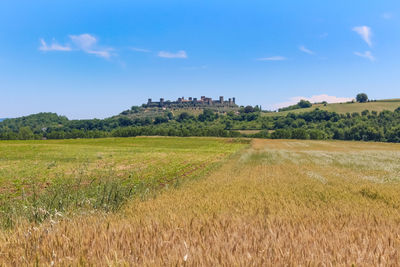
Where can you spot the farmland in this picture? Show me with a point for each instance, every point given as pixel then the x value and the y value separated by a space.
pixel 343 108
pixel 41 178
pixel 295 202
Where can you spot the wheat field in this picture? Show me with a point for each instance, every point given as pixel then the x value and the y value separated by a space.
pixel 277 202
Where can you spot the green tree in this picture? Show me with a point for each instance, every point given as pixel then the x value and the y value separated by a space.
pixel 304 104
pixel 248 109
pixel 184 116
pixel 135 109
pixel 362 98
pixel 25 133
pixel 281 134
pixel 208 115
pixel 300 134
pixel 316 134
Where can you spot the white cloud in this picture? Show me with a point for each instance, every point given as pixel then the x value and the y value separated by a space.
pixel 306 50
pixel 140 50
pixel 274 58
pixel 387 15
pixel 365 33
pixel 366 54
pixel 100 53
pixel 88 43
pixel 53 47
pixel 324 35
pixel 313 99
pixel 83 42
pixel 179 54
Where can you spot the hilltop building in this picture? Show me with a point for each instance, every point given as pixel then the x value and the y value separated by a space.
pixel 192 102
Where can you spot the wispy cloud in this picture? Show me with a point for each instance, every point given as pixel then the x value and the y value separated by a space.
pixel 179 54
pixel 366 54
pixel 140 50
pixel 53 47
pixel 306 50
pixel 274 58
pixel 365 33
pixel 88 43
pixel 313 99
pixel 323 35
pixel 387 15
pixel 100 53
pixel 83 42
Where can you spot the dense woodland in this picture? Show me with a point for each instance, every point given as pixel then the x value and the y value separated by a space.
pixel 317 124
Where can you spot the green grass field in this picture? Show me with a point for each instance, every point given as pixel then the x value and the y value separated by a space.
pixel 272 203
pixel 38 178
pixel 343 108
pixel 248 131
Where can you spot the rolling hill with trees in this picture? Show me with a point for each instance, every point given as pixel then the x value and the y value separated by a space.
pixel 343 108
pixel 366 120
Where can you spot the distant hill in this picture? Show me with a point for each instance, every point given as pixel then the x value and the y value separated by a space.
pixel 153 112
pixel 2 119
pixel 35 121
pixel 192 105
pixel 343 108
pixel 319 121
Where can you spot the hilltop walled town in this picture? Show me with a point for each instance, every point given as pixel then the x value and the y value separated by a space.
pixel 192 102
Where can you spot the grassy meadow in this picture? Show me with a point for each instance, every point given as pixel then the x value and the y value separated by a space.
pixel 343 108
pixel 39 179
pixel 276 202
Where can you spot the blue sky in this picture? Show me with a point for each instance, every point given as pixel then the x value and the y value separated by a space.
pixel 87 59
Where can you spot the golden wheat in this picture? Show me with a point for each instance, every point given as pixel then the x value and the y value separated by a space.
pixel 278 203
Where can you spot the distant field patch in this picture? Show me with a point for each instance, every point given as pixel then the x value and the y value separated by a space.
pixel 343 108
pixel 249 131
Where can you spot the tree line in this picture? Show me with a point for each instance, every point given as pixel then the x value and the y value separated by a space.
pixel 316 124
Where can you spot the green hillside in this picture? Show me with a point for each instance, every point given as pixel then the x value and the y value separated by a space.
pixel 153 112
pixel 343 108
